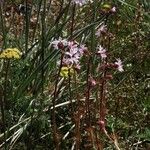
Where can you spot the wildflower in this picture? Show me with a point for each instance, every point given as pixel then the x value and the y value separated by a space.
pixel 77 67
pixel 76 48
pixel 113 9
pixel 119 65
pixel 66 72
pixel 92 81
pixel 73 54
pixel 82 49
pixel 106 8
pixel 79 2
pixel 60 43
pixel 102 125
pixel 102 52
pixel 102 29
pixel 72 44
pixel 10 53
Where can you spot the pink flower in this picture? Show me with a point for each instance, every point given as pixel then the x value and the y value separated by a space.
pixel 78 67
pixel 72 44
pixel 102 125
pixel 82 49
pixel 72 52
pixel 92 82
pixel 60 42
pixel 113 9
pixel 102 52
pixel 119 65
pixel 102 29
pixel 73 56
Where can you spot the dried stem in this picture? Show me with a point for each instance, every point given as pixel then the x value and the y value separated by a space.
pixel 54 125
pixel 87 99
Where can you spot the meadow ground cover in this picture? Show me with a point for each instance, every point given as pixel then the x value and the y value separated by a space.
pixel 74 75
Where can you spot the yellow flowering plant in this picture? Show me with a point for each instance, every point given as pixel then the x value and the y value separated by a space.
pixel 66 71
pixel 10 53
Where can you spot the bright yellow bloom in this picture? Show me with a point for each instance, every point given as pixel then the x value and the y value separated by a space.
pixel 106 6
pixel 66 71
pixel 10 53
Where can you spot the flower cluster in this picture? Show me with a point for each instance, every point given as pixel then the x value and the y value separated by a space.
pixel 66 71
pixel 10 53
pixel 72 51
pixel 102 31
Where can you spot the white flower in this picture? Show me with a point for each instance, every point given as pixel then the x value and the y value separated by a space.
pixel 119 65
pixel 102 52
pixel 113 9
pixel 79 2
pixel 56 43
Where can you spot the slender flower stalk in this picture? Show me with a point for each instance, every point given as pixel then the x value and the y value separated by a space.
pixel 72 20
pixel 87 101
pixel 54 124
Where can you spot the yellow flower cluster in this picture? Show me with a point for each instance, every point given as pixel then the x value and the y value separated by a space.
pixel 66 71
pixel 10 53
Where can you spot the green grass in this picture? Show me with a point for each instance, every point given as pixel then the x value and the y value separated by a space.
pixel 42 110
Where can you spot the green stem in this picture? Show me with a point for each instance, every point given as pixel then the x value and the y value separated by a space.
pixel 26 25
pixel 4 99
pixel 36 24
pixel 43 43
pixel 70 97
pixel 72 21
pixel 87 102
pixel 3 116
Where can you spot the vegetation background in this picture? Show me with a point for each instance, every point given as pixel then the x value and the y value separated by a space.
pixel 41 110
